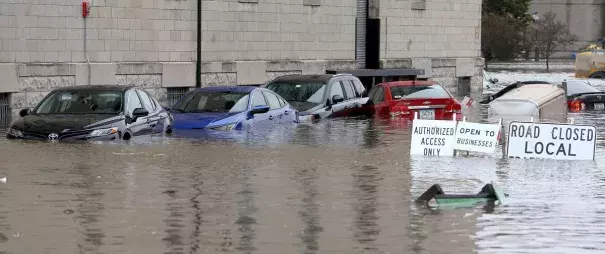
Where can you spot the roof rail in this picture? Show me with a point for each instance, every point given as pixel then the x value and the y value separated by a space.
pixel 342 74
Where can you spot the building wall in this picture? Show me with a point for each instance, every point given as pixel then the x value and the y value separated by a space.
pixel 585 18
pixel 152 43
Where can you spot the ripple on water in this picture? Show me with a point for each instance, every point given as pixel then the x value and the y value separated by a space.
pixel 338 186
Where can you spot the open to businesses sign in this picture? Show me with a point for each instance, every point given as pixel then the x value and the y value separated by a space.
pixel 551 141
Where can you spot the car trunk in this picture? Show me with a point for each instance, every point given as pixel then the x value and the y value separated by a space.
pixel 593 101
pixel 428 108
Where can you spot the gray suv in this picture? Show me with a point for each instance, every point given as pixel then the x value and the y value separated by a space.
pixel 321 96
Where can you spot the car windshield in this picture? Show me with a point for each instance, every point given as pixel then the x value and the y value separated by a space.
pixel 300 92
pixel 82 102
pixel 419 91
pixel 578 87
pixel 219 101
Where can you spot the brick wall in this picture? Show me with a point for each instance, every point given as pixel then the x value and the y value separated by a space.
pixel 165 30
pixel 278 30
pixel 435 29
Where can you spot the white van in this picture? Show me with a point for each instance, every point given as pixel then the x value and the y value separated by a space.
pixel 540 101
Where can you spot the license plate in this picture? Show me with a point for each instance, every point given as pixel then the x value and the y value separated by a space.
pixel 427 114
pixel 599 106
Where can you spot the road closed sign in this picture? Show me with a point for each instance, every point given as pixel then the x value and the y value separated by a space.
pixel 433 137
pixel 551 141
pixel 477 137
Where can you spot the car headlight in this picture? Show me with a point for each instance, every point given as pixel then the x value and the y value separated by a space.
pixel 15 133
pixel 104 132
pixel 227 127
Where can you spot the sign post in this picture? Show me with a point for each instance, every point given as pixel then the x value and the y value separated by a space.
pixel 433 137
pixel 551 141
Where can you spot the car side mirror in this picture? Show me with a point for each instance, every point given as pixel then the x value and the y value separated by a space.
pixel 167 108
pixel 337 99
pixel 24 112
pixel 494 80
pixel 260 109
pixel 139 112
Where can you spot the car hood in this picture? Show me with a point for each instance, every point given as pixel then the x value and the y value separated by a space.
pixel 45 124
pixel 199 120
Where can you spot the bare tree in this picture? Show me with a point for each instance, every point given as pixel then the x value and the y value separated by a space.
pixel 550 35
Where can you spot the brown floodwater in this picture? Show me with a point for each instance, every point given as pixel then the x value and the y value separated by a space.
pixel 339 186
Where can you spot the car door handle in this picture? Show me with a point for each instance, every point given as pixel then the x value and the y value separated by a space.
pixel 286 112
pixel 270 117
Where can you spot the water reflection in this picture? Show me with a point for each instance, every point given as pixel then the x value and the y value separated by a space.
pixel 309 210
pixel 367 230
pixel 338 186
pixel 245 215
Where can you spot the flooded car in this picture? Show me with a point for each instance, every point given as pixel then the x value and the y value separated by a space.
pixel 231 108
pixel 405 98
pixel 581 95
pixel 321 96
pixel 92 113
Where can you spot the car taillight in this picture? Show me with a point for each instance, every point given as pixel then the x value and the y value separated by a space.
pixel 454 108
pixel 577 106
pixel 396 110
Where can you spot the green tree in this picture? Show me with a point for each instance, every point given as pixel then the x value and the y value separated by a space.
pixel 517 9
pixel 502 28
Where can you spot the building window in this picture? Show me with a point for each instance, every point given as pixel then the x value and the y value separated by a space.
pixel 5 110
pixel 174 94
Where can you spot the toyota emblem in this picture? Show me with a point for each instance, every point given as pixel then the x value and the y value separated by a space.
pixel 599 97
pixel 53 137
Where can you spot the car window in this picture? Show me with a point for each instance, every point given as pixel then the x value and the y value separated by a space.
pixel 577 87
pixel 258 100
pixel 358 87
pixel 379 95
pixel 146 101
pixel 304 92
pixel 132 102
pixel 213 101
pixel 349 91
pixel 273 100
pixel 373 92
pixel 336 89
pixel 81 102
pixel 419 91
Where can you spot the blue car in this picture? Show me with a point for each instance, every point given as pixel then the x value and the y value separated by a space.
pixel 231 108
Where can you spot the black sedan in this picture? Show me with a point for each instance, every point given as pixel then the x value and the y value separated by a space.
pixel 92 113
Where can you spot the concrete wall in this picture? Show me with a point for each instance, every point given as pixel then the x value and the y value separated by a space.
pixel 584 17
pixel 152 43
pixel 441 37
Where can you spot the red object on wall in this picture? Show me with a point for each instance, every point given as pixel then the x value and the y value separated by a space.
pixel 85 9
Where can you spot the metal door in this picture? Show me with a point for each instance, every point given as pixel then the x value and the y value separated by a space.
pixel 360 33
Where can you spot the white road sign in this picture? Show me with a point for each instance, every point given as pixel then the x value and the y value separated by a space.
pixel 551 141
pixel 477 137
pixel 433 137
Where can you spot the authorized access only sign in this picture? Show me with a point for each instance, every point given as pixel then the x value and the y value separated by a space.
pixel 433 137
pixel 551 141
pixel 477 137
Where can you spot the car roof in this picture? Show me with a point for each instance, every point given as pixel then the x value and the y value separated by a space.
pixel 304 78
pixel 408 83
pixel 243 89
pixel 95 88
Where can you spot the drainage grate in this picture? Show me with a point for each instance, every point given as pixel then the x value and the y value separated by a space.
pixel 5 110
pixel 174 94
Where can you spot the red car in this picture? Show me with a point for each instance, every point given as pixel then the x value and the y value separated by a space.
pixel 427 98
